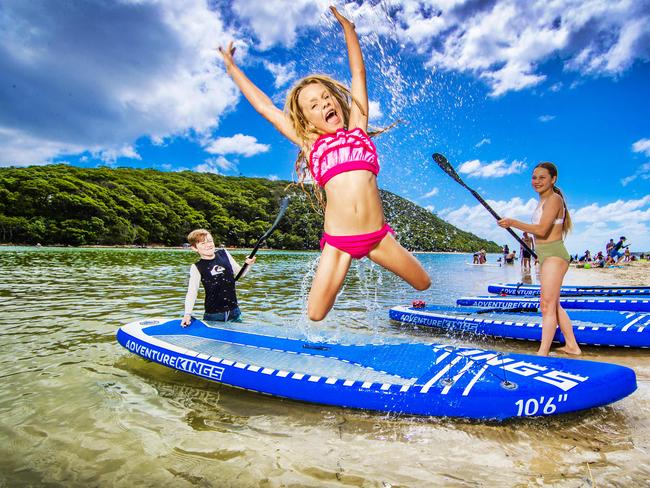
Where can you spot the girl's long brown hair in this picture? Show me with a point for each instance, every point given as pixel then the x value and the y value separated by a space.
pixel 293 111
pixel 552 169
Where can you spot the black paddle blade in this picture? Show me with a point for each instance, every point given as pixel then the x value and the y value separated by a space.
pixel 446 167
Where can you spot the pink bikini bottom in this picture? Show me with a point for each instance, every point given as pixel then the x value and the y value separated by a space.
pixel 357 246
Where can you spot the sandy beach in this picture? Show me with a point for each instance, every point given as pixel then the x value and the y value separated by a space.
pixel 636 273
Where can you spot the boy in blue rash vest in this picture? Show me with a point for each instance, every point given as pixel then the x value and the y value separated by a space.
pixel 216 270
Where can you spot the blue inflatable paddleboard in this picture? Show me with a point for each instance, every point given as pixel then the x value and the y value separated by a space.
pixel 591 327
pixel 638 303
pixel 521 289
pixel 402 377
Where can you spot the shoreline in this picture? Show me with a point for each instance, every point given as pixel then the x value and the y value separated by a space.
pixel 629 274
pixel 181 248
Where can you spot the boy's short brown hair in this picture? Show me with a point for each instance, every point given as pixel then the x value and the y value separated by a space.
pixel 197 236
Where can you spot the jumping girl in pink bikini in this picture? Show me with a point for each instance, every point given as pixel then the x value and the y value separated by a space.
pixel 329 124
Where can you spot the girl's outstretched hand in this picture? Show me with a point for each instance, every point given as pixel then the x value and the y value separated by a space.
pixel 228 54
pixel 342 20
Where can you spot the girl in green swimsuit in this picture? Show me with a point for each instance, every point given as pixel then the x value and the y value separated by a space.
pixel 550 224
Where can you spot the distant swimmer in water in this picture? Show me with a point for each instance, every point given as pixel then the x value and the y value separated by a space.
pixel 525 254
pixel 329 123
pixel 551 222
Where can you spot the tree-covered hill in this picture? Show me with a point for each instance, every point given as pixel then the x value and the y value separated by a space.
pixel 60 204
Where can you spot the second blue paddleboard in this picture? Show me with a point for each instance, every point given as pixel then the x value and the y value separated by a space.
pixel 591 327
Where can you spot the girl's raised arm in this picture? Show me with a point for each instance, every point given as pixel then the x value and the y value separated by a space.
pixel 257 98
pixel 359 106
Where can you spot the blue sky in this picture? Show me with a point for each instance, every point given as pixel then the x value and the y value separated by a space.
pixel 495 85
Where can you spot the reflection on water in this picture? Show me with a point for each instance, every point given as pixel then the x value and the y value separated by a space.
pixel 78 410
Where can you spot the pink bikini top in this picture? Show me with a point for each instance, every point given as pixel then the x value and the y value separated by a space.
pixel 344 150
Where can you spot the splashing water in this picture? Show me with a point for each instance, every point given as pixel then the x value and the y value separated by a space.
pixel 433 108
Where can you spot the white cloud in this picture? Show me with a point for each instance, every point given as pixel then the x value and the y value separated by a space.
pixel 273 177
pixel 97 78
pixel 19 148
pixel 642 172
pixel 482 142
pixel 432 193
pixel 545 118
pixel 642 146
pixel 283 74
pixel 215 165
pixel 374 110
pixel 495 169
pixel 237 144
pixel 110 156
pixel 618 211
pixel 479 221
pixel 502 42
pixel 277 21
pixel 101 78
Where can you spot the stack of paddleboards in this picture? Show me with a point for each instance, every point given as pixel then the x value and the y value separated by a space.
pixel 405 377
pixel 614 316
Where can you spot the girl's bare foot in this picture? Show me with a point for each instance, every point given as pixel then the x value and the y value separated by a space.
pixel 574 351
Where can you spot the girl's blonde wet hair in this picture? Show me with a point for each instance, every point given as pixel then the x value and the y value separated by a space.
pixel 552 170
pixel 306 134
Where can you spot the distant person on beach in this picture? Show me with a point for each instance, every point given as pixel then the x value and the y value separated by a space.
pixel 329 124
pixel 627 255
pixel 525 255
pixel 586 257
pixel 216 270
pixel 615 254
pixel 599 260
pixel 551 222
pixel 609 246
pixel 510 257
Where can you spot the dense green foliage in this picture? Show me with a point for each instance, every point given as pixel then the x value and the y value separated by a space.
pixel 61 204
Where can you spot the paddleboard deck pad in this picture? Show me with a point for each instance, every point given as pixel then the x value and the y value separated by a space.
pixel 591 327
pixel 403 377
pixel 639 303
pixel 521 289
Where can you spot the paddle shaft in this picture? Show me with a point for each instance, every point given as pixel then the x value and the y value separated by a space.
pixel 283 208
pixel 498 217
pixel 440 160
